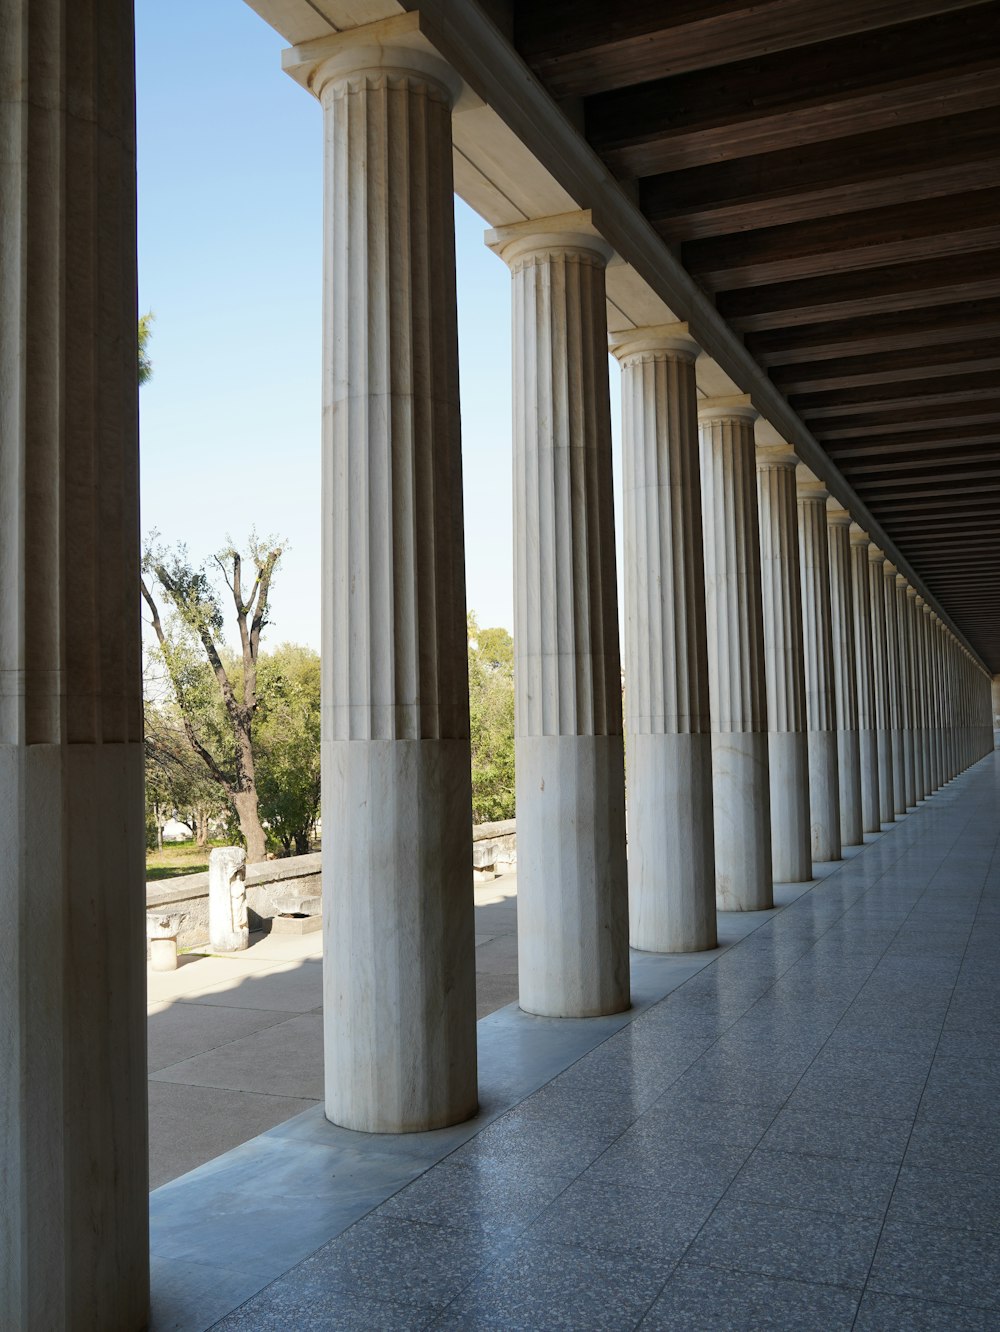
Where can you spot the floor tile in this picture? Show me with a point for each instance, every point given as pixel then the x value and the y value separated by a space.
pixel 936 1263
pixel 704 1299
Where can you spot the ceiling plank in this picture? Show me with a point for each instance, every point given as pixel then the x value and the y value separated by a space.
pixel 889 330
pixel 889 366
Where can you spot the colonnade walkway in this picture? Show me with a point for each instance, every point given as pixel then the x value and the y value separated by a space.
pixel 801 1134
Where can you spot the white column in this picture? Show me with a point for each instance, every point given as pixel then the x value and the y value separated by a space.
pixel 906 710
pixel 845 684
pixel 917 692
pixel 399 974
pixel 572 912
pixel 995 709
pixel 926 703
pixel 671 849
pixel 880 673
pixel 871 820
pixel 73 1149
pixel 787 742
pixel 824 775
pixel 736 656
pixel 896 694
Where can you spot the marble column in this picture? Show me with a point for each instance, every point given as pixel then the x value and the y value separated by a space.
pixel 668 728
pixel 896 693
pixel 787 742
pixel 880 674
pixel 399 973
pixel 926 700
pixel 845 683
pixel 871 820
pixel 572 908
pixel 824 769
pixel 73 1147
pixel 917 692
pixel 736 656
pixel 995 708
pixel 905 669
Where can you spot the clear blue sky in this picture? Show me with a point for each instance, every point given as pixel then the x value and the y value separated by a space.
pixel 230 177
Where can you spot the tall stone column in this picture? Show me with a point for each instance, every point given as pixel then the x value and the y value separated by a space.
pixel 907 709
pixel 668 727
pixel 74 1249
pixel 995 708
pixel 880 674
pixel 865 675
pixel 934 640
pixel 787 742
pixel 736 656
pixel 399 974
pixel 926 696
pixel 824 769
pixel 917 692
pixel 845 684
pixel 572 913
pixel 896 692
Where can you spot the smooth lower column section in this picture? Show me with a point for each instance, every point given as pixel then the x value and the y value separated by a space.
pixel 824 770
pixel 671 846
pixel 906 707
pixel 399 974
pixel 74 1248
pixel 871 817
pixel 736 657
pixel 844 659
pixel 788 745
pixel 572 913
pixel 881 656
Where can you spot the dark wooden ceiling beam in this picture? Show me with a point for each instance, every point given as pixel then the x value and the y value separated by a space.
pixel 909 73
pixel 950 481
pixel 888 367
pixel 957 388
pixel 964 277
pixel 951 155
pixel 902 233
pixel 929 463
pixel 910 420
pixel 867 447
pixel 889 330
pixel 583 46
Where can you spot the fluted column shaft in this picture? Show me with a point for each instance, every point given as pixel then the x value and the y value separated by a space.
pixel 906 692
pixel 73 1145
pixel 399 974
pixel 671 848
pixel 736 659
pixel 845 684
pixel 824 768
pixel 916 693
pixel 930 695
pixel 871 820
pixel 787 742
pixel 880 674
pixel 572 883
pixel 896 691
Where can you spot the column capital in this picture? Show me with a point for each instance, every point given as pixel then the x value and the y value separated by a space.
pixel 562 233
pixel 667 341
pixel 736 407
pixel 393 48
pixel 809 486
pixel 911 591
pixel 875 555
pixel 777 455
pixel 889 569
pixel 859 537
pixel 836 514
pixel 901 580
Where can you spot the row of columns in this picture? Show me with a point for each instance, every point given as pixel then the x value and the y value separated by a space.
pixel 718 590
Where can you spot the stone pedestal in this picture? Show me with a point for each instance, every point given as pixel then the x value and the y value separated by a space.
pixel 671 850
pixel 845 683
pixel 824 768
pixel 736 656
pixel 897 691
pixel 399 974
pixel 572 910
pixel 788 745
pixel 871 819
pixel 74 1202
pixel 228 923
pixel 880 675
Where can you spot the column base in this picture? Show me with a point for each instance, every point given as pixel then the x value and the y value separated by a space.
pixel 791 850
pixel 742 821
pixel 399 981
pixel 572 887
pixel 671 850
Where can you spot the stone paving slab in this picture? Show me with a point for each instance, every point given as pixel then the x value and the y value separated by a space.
pixel 765 1141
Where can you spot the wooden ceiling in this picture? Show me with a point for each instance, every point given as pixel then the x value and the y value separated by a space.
pixel 829 171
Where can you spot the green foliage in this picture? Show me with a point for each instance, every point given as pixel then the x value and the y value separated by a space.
pixel 491 715
pixel 145 331
pixel 287 744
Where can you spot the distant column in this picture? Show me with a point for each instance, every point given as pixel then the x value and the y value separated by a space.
pixel 917 692
pixel 906 709
pixel 880 673
pixel 865 675
pixel 572 912
pixel 788 745
pixel 844 657
pixel 736 656
pixel 927 697
pixel 824 775
pixel 399 973
pixel 896 693
pixel 671 845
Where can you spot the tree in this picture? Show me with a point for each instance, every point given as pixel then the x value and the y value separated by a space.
pixel 225 747
pixel 145 364
pixel 491 716
pixel 287 744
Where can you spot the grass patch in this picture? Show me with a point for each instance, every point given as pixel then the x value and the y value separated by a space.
pixel 178 858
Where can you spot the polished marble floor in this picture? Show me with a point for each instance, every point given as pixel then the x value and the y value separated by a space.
pixel 798 1132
